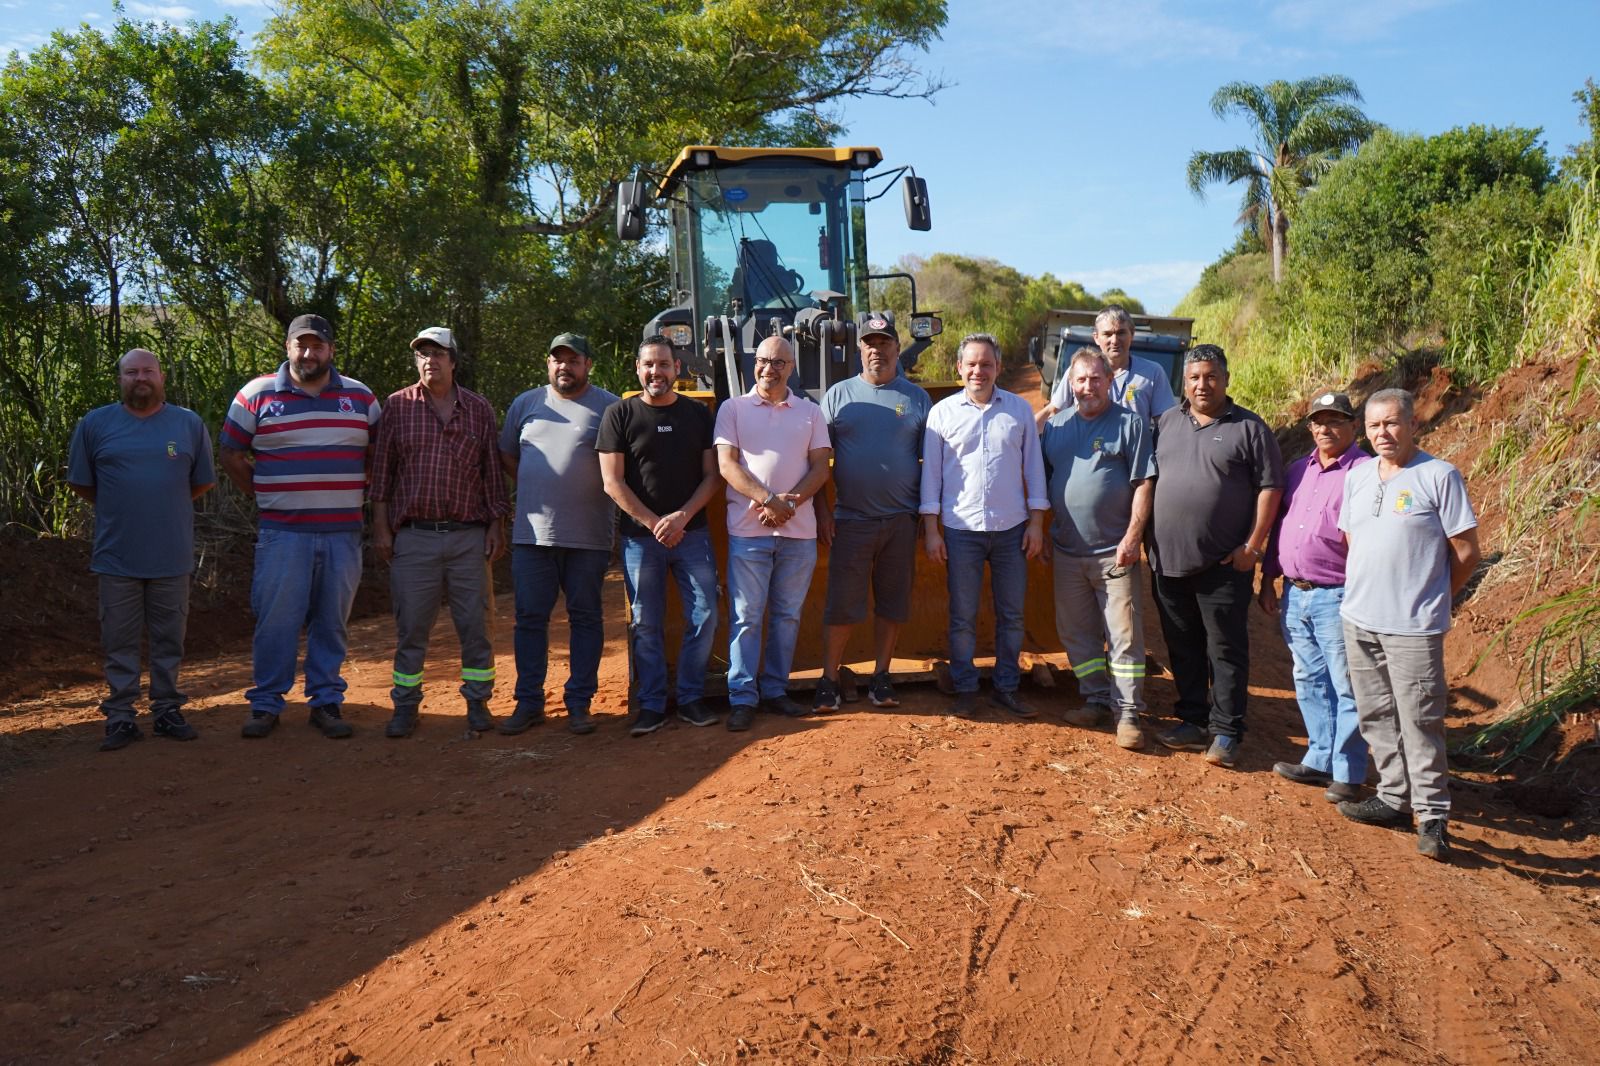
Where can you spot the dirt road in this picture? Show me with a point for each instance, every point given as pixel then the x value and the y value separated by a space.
pixel 866 887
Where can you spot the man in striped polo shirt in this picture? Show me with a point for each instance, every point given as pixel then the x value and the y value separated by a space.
pixel 298 439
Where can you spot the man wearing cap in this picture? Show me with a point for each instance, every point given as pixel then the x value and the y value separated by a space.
pixel 438 510
pixel 773 451
pixel 983 480
pixel 142 463
pixel 875 424
pixel 660 468
pixel 1413 545
pixel 1099 460
pixel 1137 383
pixel 1219 479
pixel 298 440
pixel 1309 552
pixel 561 539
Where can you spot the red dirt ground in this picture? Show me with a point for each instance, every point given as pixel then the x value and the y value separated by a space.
pixel 863 887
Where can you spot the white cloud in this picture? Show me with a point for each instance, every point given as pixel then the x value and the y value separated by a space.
pixel 170 12
pixel 22 42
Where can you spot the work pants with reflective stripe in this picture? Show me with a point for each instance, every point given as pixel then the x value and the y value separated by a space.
pixel 1101 625
pixel 429 567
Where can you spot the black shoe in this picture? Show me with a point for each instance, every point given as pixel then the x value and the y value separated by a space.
pixel 881 693
pixel 403 724
pixel 647 722
pixel 966 705
pixel 1433 841
pixel 1373 811
pixel 524 718
pixel 1008 702
pixel 741 717
pixel 827 697
pixel 170 724
pixel 696 713
pixel 479 720
pixel 1340 791
pixel 580 721
pixel 330 721
pixel 258 725
pixel 1185 736
pixel 1301 774
pixel 785 706
pixel 121 733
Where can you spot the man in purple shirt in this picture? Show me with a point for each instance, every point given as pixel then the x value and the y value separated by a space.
pixel 1309 552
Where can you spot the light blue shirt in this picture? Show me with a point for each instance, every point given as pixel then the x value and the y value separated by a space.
pixel 982 469
pixel 1142 387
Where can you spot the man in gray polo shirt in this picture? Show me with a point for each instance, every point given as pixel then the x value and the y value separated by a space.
pixel 875 422
pixel 1217 492
pixel 142 463
pixel 1413 545
pixel 561 539
pixel 1100 462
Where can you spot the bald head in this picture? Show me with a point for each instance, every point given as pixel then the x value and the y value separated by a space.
pixel 139 377
pixel 774 364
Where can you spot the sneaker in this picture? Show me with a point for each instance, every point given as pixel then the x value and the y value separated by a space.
pixel 1340 791
pixel 258 725
pixel 479 720
pixel 1301 774
pixel 1088 716
pixel 827 697
pixel 1129 735
pixel 1373 811
pixel 647 721
pixel 741 717
pixel 1185 736
pixel 881 693
pixel 1433 841
pixel 170 724
pixel 966 705
pixel 120 733
pixel 330 721
pixel 403 724
pixel 580 721
pixel 785 706
pixel 695 712
pixel 525 717
pixel 1008 702
pixel 1224 751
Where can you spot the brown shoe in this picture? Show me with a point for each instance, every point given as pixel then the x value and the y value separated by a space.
pixel 1088 716
pixel 1129 735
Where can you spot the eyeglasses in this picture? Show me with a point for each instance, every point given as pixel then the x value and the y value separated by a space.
pixel 776 364
pixel 1377 501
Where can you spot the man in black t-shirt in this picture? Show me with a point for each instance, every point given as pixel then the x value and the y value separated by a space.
pixel 658 463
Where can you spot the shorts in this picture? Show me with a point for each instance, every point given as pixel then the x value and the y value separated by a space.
pixel 882 550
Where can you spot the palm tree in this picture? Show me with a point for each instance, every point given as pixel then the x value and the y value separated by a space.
pixel 1301 128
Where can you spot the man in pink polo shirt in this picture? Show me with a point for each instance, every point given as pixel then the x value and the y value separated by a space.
pixel 1309 551
pixel 772 449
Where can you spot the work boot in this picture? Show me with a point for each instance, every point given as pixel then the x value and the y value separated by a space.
pixel 479 720
pixel 827 697
pixel 120 732
pixel 1433 841
pixel 1011 704
pixel 524 718
pixel 1185 736
pixel 1340 791
pixel 1129 735
pixel 741 717
pixel 580 721
pixel 330 720
pixel 1088 716
pixel 258 725
pixel 1373 811
pixel 1224 751
pixel 170 724
pixel 966 705
pixel 1301 774
pixel 403 724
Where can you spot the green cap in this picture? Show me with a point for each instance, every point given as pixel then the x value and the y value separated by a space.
pixel 576 341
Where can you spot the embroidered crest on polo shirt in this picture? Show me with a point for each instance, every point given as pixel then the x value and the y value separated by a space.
pixel 275 408
pixel 345 406
pixel 172 449
pixel 1404 502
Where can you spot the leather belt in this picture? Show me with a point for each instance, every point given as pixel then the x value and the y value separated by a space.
pixel 439 525
pixel 1306 586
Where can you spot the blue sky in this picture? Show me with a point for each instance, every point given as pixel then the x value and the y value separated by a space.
pixel 1060 142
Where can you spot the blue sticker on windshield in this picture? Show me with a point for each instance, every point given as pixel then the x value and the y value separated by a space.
pixel 735 195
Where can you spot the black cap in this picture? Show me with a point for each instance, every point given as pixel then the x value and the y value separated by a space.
pixel 576 341
pixel 311 324
pixel 1337 402
pixel 876 323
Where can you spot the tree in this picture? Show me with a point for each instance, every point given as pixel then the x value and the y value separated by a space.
pixel 1300 129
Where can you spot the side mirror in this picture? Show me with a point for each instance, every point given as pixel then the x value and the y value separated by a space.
pixel 630 210
pixel 918 214
pixel 925 325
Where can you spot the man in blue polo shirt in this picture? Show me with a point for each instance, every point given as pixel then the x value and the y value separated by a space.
pixel 297 440
pixel 1137 383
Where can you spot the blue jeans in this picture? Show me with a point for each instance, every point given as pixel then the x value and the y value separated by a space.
pixel 538 573
pixel 303 582
pixel 645 566
pixel 767 577
pixel 966 552
pixel 1315 635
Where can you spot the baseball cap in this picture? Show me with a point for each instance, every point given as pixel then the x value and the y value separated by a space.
pixel 876 323
pixel 576 341
pixel 1337 402
pixel 438 335
pixel 311 324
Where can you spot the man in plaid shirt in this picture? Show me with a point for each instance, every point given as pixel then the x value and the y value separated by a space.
pixel 438 507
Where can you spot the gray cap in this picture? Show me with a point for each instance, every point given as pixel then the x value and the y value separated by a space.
pixel 438 335
pixel 576 341
pixel 1337 402
pixel 311 324
pixel 876 323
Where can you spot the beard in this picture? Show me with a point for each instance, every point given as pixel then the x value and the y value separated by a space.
pixel 143 396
